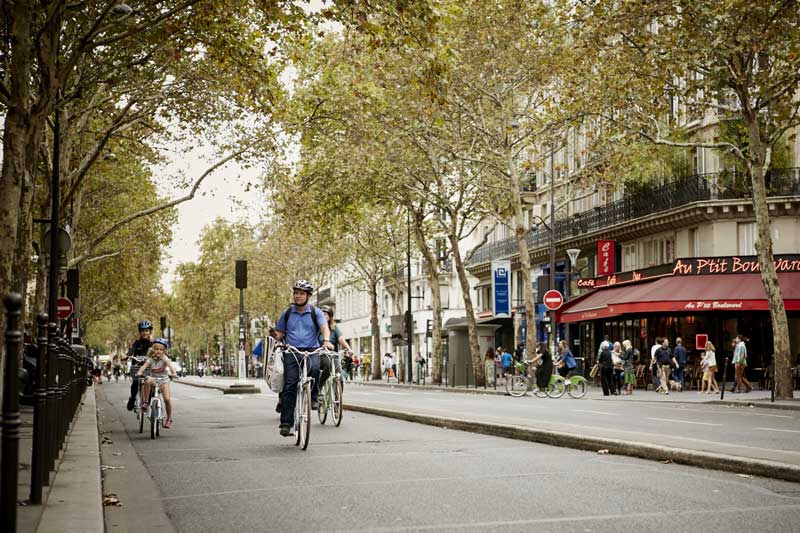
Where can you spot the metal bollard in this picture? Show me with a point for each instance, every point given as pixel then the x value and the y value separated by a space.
pixel 724 375
pixel 52 357
pixel 11 421
pixel 38 470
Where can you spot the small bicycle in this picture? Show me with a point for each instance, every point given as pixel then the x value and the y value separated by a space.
pixel 137 408
pixel 156 411
pixel 330 397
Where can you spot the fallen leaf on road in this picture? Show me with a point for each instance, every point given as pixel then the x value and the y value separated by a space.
pixel 602 452
pixel 666 461
pixel 111 499
pixel 108 467
pixel 117 454
pixel 748 476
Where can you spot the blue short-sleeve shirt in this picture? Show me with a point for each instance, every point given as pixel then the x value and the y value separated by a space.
pixel 299 329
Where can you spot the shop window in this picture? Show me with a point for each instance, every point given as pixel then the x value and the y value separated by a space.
pixel 746 232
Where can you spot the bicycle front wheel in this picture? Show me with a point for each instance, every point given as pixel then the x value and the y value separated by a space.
pixel 577 389
pixel 153 415
pixel 517 386
pixel 324 401
pixel 336 404
pixel 140 416
pixel 305 420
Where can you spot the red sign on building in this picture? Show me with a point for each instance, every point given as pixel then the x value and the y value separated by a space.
pixel 606 258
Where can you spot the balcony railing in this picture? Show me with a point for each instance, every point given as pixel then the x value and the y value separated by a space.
pixel 647 201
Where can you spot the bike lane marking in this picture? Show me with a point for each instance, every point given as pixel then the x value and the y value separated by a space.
pixel 781 430
pixel 593 412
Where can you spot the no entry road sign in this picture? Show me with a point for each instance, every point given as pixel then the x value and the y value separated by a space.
pixel 553 300
pixel 64 308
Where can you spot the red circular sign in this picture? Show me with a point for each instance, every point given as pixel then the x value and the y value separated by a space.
pixel 63 308
pixel 553 300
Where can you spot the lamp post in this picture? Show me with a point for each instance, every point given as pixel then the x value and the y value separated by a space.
pixel 552 281
pixel 573 254
pixel 409 319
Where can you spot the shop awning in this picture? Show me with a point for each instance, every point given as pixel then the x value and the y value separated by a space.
pixel 724 292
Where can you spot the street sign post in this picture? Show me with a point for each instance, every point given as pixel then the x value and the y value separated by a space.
pixel 553 300
pixel 64 308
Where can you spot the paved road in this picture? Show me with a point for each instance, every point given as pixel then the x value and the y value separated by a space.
pixel 733 430
pixel 223 467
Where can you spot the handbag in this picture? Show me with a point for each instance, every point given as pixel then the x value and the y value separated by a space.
pixel 275 375
pixel 594 370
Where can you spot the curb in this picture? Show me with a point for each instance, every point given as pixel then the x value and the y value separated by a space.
pixel 756 467
pixel 762 405
pixel 75 499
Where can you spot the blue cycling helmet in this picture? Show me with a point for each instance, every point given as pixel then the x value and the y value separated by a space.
pixel 145 324
pixel 162 341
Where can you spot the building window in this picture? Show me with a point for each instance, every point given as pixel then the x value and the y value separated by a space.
pixel 658 251
pixel 629 257
pixel 747 238
pixel 694 242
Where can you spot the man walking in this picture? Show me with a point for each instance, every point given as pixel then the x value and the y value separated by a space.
pixel 301 330
pixel 666 361
pixel 740 364
pixel 680 357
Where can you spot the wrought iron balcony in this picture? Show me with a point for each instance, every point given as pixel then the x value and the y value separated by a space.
pixel 646 201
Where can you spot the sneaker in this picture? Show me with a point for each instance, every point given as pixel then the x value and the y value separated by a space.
pixel 286 430
pixel 131 401
pixel 168 423
pixel 314 405
pixel 278 408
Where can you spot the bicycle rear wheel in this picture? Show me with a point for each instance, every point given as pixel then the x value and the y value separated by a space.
pixel 305 421
pixel 336 403
pixel 324 402
pixel 517 386
pixel 140 416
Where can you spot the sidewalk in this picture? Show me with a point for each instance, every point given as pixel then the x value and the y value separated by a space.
pixel 73 502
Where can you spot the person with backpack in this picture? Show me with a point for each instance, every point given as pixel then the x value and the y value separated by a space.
pixel 300 325
pixel 137 355
pixel 606 362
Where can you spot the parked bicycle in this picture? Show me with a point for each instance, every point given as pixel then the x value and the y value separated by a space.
pixel 330 397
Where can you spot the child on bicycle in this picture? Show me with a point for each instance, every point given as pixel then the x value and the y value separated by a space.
pixel 156 366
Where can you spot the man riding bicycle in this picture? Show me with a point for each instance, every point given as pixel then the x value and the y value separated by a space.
pixel 299 328
pixel 137 354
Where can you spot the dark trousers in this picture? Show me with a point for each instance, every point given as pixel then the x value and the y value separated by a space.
pixel 607 380
pixel 134 383
pixel 291 377
pixel 618 373
pixel 678 375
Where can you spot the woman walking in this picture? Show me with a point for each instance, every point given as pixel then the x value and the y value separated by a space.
pixel 629 357
pixel 711 361
pixel 616 359
pixel 606 370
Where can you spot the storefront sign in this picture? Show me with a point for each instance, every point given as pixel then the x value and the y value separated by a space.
pixel 606 257
pixel 501 288
pixel 699 266
pixel 626 277
pixel 700 340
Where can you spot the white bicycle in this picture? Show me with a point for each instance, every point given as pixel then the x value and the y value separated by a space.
pixel 302 405
pixel 330 396
pixel 156 411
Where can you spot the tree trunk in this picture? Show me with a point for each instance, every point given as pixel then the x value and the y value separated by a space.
pixel 472 325
pixel 520 233
pixel 782 360
pixel 376 331
pixel 436 296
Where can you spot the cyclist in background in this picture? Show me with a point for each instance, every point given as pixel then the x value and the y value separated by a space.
pixel 297 328
pixel 337 340
pixel 157 365
pixel 137 354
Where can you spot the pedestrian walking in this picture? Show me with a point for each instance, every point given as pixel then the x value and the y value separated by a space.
pixel 489 365
pixel 711 362
pixel 630 356
pixel 508 364
pixel 666 362
pixel 654 370
pixel 616 359
pixel 606 363
pixel 680 357
pixel 740 365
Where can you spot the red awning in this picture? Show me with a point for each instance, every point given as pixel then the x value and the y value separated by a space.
pixel 724 292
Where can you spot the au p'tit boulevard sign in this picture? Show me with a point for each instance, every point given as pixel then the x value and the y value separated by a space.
pixel 694 266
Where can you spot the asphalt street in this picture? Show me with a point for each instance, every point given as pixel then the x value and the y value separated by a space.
pixel 734 430
pixel 224 467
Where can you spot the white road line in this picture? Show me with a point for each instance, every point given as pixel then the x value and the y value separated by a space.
pixel 593 412
pixel 781 430
pixel 683 421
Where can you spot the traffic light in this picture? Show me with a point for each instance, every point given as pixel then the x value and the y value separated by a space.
pixel 429 328
pixel 163 321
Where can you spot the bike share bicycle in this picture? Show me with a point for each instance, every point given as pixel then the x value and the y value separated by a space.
pixel 330 396
pixel 302 406
pixel 520 384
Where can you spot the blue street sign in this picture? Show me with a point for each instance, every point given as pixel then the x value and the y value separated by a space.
pixel 501 288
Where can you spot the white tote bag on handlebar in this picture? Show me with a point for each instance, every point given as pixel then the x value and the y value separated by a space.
pixel 274 372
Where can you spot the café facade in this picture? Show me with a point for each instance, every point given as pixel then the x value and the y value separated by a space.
pixel 697 299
